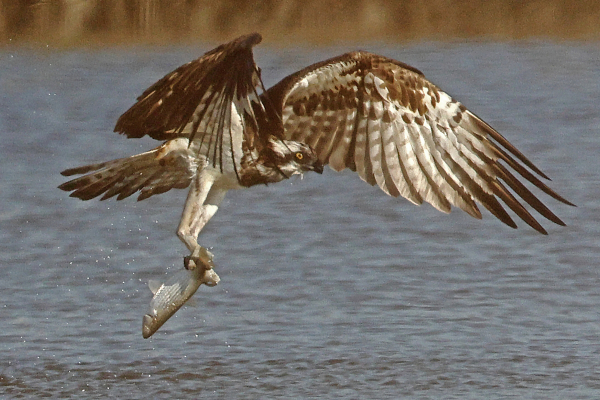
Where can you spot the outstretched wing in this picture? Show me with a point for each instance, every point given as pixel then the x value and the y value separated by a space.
pixel 209 100
pixel 384 120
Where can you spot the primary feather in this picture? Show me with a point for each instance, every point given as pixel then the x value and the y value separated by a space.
pixel 371 114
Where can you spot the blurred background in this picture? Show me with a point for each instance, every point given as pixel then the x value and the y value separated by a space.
pixel 329 288
pixel 97 22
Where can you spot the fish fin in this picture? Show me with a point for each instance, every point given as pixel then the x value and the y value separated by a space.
pixel 154 285
pixel 192 302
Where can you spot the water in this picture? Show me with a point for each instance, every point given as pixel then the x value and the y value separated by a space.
pixel 329 288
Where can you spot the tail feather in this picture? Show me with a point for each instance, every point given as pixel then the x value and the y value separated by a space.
pixel 153 172
pixel 83 169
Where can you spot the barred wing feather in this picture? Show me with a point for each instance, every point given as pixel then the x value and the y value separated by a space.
pixel 384 120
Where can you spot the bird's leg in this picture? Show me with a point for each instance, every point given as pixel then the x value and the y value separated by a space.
pixel 202 203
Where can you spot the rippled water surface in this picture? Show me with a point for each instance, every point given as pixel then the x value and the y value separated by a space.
pixel 329 288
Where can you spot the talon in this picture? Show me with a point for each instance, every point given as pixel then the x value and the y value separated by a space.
pixel 188 263
pixel 200 256
pixel 206 255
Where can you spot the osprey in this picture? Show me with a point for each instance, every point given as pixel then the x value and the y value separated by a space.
pixel 376 116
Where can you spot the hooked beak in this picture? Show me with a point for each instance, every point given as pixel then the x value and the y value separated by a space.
pixel 318 167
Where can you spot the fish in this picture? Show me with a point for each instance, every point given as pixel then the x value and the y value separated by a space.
pixel 171 295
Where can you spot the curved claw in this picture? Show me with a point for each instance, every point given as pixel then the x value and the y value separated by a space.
pixel 200 256
pixel 187 260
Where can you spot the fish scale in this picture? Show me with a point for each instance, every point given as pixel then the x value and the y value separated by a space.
pixel 173 294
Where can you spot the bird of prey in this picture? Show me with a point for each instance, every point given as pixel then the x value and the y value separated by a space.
pixel 221 130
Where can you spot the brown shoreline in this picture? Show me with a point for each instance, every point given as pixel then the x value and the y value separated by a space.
pixel 67 23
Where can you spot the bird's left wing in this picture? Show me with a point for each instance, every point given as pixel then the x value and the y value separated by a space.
pixel 209 100
pixel 384 120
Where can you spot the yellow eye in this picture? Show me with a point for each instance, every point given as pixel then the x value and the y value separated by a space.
pixel 299 156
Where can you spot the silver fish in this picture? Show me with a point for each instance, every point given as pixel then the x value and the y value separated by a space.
pixel 173 294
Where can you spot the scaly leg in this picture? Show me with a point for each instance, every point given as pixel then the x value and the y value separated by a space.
pixel 202 203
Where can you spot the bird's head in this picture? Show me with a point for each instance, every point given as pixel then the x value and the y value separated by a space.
pixel 291 157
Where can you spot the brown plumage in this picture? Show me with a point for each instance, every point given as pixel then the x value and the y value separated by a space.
pixel 399 131
pixel 371 114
